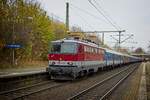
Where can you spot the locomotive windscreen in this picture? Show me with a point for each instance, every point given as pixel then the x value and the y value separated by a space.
pixel 64 48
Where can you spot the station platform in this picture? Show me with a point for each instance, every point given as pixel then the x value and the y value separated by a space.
pixel 11 72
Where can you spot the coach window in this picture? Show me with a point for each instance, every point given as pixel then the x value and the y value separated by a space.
pixel 96 50
pixel 89 49
pixel 92 50
pixel 85 49
pixel 99 51
pixel 102 52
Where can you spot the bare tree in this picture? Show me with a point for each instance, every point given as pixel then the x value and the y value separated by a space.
pixel 139 50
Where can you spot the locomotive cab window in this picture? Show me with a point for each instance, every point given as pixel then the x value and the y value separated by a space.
pixel 68 48
pixel 64 48
pixel 55 48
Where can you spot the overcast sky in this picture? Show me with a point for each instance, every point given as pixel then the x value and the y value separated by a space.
pixel 130 15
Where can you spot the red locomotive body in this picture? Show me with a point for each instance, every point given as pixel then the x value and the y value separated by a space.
pixel 73 58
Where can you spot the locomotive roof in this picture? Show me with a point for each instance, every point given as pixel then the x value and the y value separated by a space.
pixel 93 45
pixel 119 53
pixel 112 51
pixel 78 41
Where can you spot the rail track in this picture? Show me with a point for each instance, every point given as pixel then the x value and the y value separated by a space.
pixel 31 91
pixel 104 88
pixel 25 91
pixel 73 88
pixel 8 82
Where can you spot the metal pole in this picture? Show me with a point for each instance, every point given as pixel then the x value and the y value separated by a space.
pixel 119 40
pixel 13 35
pixel 13 50
pixel 67 16
pixel 102 38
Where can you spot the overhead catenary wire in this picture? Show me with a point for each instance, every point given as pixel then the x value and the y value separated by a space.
pixel 56 17
pixel 107 14
pixel 90 14
pixel 103 15
pixel 83 19
pixel 86 12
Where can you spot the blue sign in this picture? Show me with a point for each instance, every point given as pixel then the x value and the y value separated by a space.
pixel 13 46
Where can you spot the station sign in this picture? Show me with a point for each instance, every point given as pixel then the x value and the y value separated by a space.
pixel 13 46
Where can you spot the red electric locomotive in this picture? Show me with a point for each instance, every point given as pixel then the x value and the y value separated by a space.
pixel 69 59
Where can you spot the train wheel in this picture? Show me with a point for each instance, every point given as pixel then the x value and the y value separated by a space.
pixel 80 74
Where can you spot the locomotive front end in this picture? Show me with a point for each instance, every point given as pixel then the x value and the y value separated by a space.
pixel 62 57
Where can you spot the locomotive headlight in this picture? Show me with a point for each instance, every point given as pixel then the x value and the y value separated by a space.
pixel 53 63
pixel 70 63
